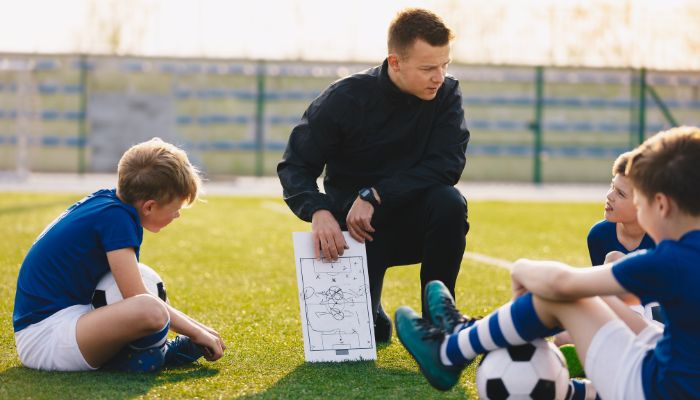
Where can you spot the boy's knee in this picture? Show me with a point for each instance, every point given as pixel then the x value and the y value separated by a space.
pixel 152 313
pixel 613 256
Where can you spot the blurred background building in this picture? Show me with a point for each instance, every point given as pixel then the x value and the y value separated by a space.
pixel 553 90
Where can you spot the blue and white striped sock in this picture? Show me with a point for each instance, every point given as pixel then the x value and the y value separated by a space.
pixel 513 324
pixel 153 340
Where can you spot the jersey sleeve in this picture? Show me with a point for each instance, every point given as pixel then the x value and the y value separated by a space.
pixel 118 229
pixel 596 248
pixel 648 274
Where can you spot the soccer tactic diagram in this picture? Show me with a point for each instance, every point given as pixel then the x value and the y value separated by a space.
pixel 335 303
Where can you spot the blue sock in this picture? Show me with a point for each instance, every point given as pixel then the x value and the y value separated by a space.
pixel 513 324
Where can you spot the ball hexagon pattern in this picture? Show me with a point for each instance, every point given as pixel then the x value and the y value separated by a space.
pixel 535 370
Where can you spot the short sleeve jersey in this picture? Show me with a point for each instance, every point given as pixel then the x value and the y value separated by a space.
pixel 670 275
pixel 69 257
pixel 602 239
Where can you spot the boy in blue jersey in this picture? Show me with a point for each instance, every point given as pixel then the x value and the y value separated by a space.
pixel 625 356
pixel 55 326
pixel 617 235
pixel 620 230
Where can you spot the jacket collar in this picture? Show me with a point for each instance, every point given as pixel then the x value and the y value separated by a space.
pixel 389 88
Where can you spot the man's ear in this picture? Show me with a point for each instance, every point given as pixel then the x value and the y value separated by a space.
pixel 393 61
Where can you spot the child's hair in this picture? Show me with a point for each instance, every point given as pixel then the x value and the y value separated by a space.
pixel 416 23
pixel 620 164
pixel 669 163
pixel 157 170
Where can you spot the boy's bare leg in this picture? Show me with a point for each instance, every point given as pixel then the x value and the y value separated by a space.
pixel 581 318
pixel 634 321
pixel 103 332
pixel 584 317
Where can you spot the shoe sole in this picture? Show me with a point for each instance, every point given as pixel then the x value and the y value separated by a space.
pixel 425 375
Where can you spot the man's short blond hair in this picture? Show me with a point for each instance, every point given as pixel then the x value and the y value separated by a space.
pixel 157 170
pixel 411 24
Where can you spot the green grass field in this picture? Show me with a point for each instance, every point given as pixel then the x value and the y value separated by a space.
pixel 229 263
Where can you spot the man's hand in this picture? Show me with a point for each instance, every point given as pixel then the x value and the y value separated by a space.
pixel 326 236
pixel 359 219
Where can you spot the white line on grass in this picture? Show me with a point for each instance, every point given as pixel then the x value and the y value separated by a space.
pixel 276 207
pixel 489 260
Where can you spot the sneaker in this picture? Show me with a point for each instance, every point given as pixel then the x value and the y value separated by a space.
pixel 441 310
pixel 423 340
pixel 132 360
pixel 581 389
pixel 181 351
pixel 382 327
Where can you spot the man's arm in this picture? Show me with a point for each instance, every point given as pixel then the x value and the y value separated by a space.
pixel 557 281
pixel 309 146
pixel 312 141
pixel 443 161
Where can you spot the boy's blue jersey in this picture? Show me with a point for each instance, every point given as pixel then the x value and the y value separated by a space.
pixel 67 260
pixel 670 275
pixel 602 239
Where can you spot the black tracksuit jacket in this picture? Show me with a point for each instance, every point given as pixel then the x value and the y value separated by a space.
pixel 366 132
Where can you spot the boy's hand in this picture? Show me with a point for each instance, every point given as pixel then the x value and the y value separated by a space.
pixel 213 344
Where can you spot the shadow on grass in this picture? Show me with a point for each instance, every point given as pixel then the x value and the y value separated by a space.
pixel 20 382
pixel 354 380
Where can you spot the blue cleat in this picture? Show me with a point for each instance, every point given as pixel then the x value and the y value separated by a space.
pixel 136 360
pixel 181 351
pixel 423 340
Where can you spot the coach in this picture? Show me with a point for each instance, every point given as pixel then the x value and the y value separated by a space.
pixel 392 140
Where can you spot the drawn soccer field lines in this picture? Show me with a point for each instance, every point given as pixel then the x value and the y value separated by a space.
pixel 336 300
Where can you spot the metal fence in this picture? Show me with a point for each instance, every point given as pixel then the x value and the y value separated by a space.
pixel 78 113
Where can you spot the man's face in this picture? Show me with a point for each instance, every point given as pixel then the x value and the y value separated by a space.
pixel 421 71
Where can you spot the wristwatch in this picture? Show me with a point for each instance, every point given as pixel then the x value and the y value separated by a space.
pixel 367 194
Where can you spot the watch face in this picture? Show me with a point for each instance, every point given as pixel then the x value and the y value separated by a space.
pixel 365 192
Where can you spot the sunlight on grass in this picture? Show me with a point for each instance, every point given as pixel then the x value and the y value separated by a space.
pixel 228 263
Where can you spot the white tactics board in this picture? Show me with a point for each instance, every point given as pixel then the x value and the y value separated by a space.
pixel 336 317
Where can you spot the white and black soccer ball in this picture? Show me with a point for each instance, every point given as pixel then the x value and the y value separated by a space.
pixel 107 291
pixel 535 370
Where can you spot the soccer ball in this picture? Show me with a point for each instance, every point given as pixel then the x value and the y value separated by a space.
pixel 107 291
pixel 535 370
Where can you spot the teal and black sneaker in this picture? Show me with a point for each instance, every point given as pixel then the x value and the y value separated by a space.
pixel 181 351
pixel 423 340
pixel 441 310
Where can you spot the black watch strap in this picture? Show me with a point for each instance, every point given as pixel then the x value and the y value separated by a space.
pixel 367 194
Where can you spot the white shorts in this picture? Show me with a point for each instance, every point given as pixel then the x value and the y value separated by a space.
pixel 614 359
pixel 51 344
